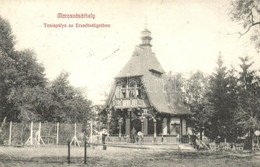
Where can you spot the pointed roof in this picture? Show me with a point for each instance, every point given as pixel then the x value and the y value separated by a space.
pixel 142 60
pixel 143 63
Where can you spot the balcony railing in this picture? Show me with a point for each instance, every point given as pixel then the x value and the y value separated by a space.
pixel 129 103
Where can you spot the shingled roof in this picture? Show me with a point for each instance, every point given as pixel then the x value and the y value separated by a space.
pixel 143 63
pixel 142 60
pixel 162 99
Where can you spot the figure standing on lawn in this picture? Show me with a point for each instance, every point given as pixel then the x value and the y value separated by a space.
pixel 104 135
pixel 133 135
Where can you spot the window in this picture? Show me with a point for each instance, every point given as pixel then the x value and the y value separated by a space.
pixel 118 93
pixel 128 88
pixel 132 88
pixel 155 73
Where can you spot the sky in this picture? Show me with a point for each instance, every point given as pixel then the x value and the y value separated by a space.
pixel 187 36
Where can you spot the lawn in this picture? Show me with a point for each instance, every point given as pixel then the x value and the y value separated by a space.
pixel 114 156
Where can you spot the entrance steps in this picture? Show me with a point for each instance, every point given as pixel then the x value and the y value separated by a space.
pixel 175 146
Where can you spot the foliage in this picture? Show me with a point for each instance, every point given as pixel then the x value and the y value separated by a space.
pixel 98 118
pixel 247 13
pixel 248 116
pixel 175 84
pixel 113 124
pixel 7 39
pixel 7 68
pixel 26 95
pixel 7 76
pixel 221 99
pixel 26 85
pixel 196 88
pixel 224 104
pixel 192 91
pixel 69 105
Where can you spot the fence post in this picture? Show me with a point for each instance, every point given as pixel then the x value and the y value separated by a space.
pixel 91 131
pixel 75 143
pixel 39 137
pixel 10 134
pixel 31 134
pixel 85 151
pixel 68 152
pixel 57 137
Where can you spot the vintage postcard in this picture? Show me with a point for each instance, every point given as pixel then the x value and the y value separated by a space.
pixel 129 83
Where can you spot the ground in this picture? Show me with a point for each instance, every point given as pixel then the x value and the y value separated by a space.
pixel 117 156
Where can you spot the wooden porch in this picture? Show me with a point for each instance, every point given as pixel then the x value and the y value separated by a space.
pixel 148 139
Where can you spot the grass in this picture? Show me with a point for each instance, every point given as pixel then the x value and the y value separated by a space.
pixel 114 156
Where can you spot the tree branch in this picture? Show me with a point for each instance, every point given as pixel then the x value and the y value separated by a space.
pixel 253 23
pixel 248 29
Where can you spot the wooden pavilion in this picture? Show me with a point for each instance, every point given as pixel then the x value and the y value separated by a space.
pixel 141 100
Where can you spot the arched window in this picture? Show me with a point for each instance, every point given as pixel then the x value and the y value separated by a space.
pixel 133 91
pixel 128 88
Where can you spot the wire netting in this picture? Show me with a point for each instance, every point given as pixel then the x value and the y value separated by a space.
pixel 50 133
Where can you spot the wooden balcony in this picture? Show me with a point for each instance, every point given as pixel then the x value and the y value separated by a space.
pixel 129 103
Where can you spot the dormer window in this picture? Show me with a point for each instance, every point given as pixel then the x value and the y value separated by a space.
pixel 155 72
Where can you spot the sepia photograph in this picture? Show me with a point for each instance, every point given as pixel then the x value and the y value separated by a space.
pixel 129 83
